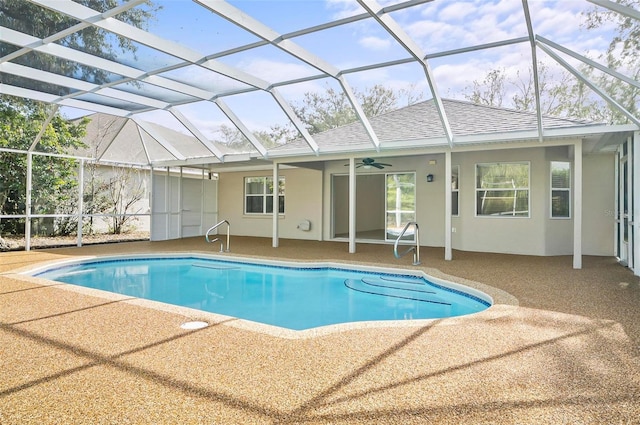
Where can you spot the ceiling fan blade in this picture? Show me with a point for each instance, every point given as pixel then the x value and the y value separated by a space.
pixel 386 165
pixel 378 166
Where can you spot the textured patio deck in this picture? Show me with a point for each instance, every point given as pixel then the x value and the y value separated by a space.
pixel 569 353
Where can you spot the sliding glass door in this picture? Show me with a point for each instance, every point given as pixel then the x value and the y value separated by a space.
pixel 400 204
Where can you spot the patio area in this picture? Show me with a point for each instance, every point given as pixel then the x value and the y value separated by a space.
pixel 567 351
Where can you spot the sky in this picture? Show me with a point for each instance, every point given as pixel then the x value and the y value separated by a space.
pixel 438 26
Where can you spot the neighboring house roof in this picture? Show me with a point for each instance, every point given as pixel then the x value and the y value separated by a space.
pixel 421 121
pixel 116 139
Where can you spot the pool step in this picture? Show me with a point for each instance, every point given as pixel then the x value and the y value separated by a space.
pixel 404 285
pixel 214 267
pixel 410 290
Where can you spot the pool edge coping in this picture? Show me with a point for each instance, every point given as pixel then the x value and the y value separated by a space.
pixel 502 303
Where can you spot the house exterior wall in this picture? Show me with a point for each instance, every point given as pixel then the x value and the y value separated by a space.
pixel 303 199
pixel 429 196
pixel 539 234
pixel 308 196
pixel 517 235
pixel 598 218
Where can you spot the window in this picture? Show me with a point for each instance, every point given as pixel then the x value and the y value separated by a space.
pixel 560 189
pixel 455 189
pixel 258 195
pixel 502 189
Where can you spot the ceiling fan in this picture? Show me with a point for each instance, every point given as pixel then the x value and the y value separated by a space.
pixel 370 162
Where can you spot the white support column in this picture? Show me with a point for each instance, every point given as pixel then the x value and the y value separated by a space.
pixel 276 205
pixel 617 209
pixel 448 254
pixel 352 205
pixel 631 167
pixel 80 200
pixel 203 200
pixel 151 215
pixel 180 205
pixel 27 222
pixel 635 239
pixel 167 204
pixel 577 207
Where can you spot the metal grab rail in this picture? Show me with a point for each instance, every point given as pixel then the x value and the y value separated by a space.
pixel 214 228
pixel 415 249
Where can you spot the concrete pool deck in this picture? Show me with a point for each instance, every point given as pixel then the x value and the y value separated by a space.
pixel 568 351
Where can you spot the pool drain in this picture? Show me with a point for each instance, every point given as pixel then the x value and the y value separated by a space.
pixel 194 325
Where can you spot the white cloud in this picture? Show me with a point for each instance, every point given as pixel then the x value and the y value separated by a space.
pixel 275 71
pixel 457 11
pixel 375 43
pixel 343 8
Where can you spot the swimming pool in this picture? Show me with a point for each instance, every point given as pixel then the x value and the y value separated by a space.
pixel 291 296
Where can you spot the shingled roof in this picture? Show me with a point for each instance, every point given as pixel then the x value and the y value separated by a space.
pixel 113 138
pixel 420 121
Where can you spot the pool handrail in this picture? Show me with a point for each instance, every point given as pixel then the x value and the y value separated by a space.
pixel 415 249
pixel 214 227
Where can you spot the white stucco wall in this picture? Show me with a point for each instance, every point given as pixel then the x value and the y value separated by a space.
pixel 303 201
pixel 598 222
pixel 309 197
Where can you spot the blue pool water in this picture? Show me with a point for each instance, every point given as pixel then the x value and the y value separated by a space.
pixel 286 296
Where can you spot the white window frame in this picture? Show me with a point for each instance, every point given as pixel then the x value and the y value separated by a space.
pixel 556 189
pixel 527 188
pixel 264 195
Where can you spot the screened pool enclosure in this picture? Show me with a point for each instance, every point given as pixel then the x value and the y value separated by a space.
pixel 124 114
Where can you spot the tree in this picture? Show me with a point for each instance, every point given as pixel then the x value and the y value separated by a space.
pixel 491 91
pixel 53 178
pixel 564 96
pixel 123 190
pixel 323 111
pixel 29 18
pixel 21 120
pixel 331 109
